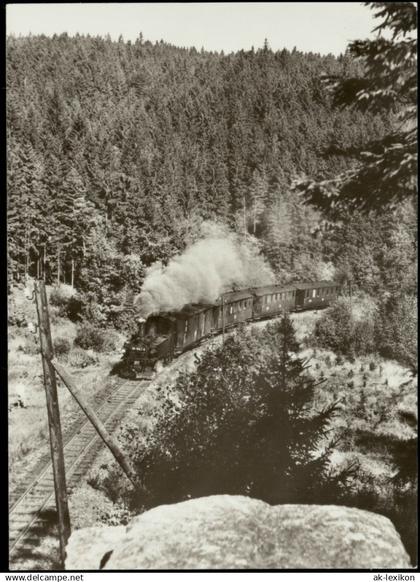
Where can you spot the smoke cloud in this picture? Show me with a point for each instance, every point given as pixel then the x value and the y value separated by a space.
pixel 220 261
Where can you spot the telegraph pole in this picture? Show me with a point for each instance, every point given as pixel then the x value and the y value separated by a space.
pixel 72 272
pixel 58 267
pixel 56 440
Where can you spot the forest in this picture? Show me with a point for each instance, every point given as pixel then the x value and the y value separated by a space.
pixel 117 151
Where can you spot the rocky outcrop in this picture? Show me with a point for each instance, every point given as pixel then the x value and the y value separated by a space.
pixel 235 532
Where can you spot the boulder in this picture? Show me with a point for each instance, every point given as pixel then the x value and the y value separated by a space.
pixel 236 532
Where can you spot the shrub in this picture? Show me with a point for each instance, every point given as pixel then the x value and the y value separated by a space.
pixel 61 346
pixel 69 303
pixel 59 296
pixel 79 358
pixel 396 330
pixel 17 319
pixel 372 366
pixel 74 308
pixel 110 341
pixel 31 346
pixel 348 327
pixel 90 337
pixel 124 321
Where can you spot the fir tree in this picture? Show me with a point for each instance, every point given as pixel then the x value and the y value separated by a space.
pixel 243 424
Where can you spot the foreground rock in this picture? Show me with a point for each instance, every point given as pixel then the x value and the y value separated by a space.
pixel 235 532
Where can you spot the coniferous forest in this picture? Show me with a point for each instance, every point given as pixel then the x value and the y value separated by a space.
pixel 116 150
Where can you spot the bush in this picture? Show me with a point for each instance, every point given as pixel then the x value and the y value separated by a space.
pixel 69 303
pixel 79 358
pixel 17 319
pixel 90 337
pixel 348 327
pixel 31 345
pixel 74 308
pixel 110 341
pixel 59 296
pixel 124 321
pixel 61 345
pixel 397 329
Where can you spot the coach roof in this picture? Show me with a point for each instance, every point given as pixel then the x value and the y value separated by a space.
pixel 317 285
pixel 271 290
pixel 232 296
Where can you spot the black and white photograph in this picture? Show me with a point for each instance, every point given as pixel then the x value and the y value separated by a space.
pixel 212 287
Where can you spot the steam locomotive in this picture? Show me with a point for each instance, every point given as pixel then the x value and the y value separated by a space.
pixel 162 337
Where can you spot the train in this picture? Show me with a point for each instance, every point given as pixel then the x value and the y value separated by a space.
pixel 162 337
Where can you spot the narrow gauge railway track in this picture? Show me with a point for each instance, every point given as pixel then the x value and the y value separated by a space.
pixel 71 423
pixel 32 509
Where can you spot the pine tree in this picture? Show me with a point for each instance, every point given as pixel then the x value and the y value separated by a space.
pixel 243 424
pixel 291 462
pixel 384 172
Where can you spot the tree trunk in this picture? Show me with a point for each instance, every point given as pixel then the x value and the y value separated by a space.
pixel 58 269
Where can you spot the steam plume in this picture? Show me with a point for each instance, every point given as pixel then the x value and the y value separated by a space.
pixel 216 263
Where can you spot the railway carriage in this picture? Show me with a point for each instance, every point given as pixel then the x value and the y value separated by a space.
pixel 232 308
pixel 193 323
pixel 315 295
pixel 272 300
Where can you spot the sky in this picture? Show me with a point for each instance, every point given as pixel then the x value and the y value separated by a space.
pixel 321 27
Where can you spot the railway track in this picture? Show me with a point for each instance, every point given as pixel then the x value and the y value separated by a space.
pixel 32 505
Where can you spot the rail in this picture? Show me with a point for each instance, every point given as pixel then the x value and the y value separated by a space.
pixel 34 510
